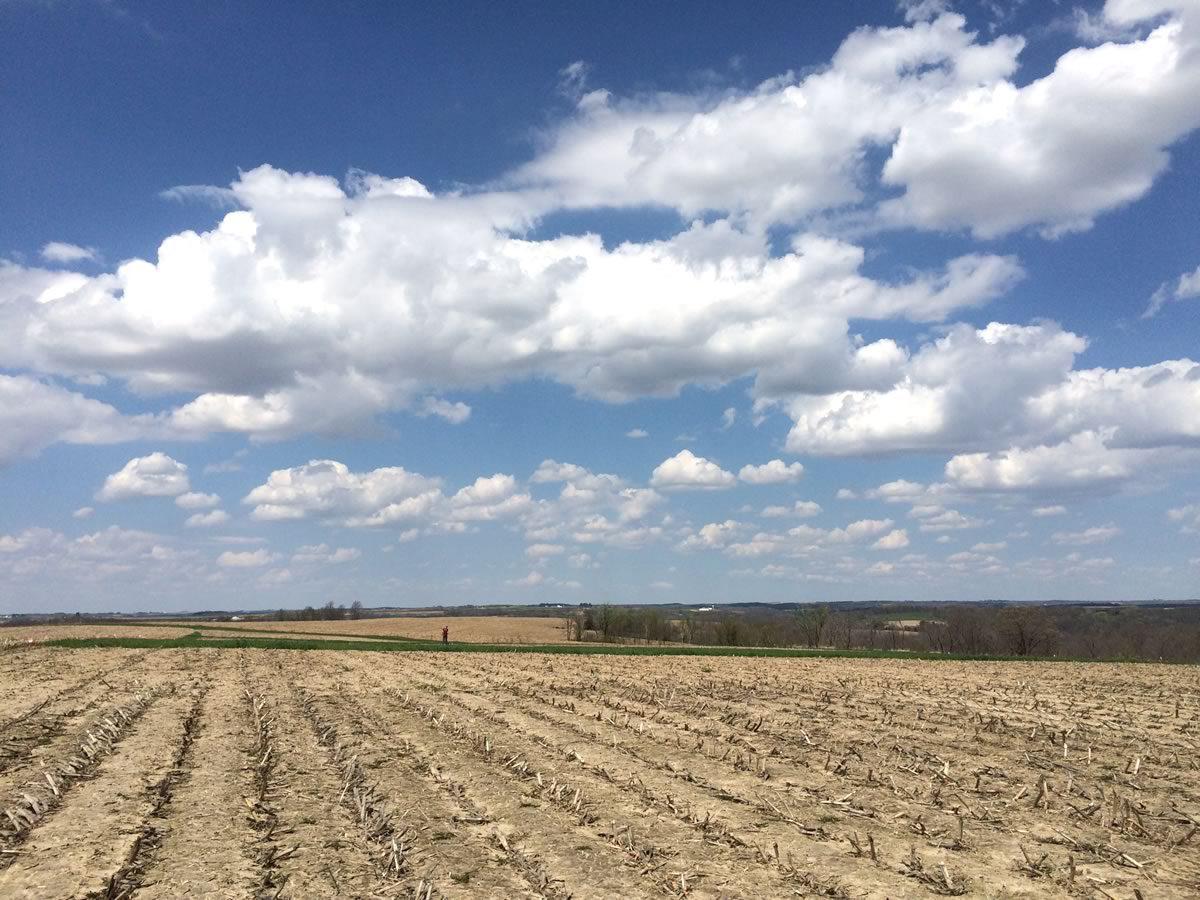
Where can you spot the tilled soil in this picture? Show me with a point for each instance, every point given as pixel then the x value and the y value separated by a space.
pixel 295 774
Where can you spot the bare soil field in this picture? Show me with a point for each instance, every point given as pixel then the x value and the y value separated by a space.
pixel 472 629
pixel 34 634
pixel 299 774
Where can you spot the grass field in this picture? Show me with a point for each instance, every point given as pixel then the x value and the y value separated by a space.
pixel 247 773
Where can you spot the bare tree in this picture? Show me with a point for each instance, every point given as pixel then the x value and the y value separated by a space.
pixel 812 621
pixel 728 631
pixel 1027 631
pixel 839 631
pixel 606 620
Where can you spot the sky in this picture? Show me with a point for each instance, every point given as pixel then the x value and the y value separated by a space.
pixel 538 303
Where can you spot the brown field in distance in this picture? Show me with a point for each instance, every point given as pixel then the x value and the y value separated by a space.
pixel 254 773
pixel 473 629
pixel 23 634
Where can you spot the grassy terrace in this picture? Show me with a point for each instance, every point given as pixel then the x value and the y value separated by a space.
pixel 195 638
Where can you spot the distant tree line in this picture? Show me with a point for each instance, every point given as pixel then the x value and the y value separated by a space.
pixel 328 612
pixel 1170 634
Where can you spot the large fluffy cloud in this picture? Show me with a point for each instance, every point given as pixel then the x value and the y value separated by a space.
pixel 968 146
pixel 1010 394
pixel 316 304
pixel 315 308
pixel 156 475
pixel 686 471
pixel 328 490
pixel 1090 136
pixel 774 472
pixel 968 387
pixel 35 414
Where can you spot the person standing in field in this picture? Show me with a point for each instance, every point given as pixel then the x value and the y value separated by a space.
pixel 445 635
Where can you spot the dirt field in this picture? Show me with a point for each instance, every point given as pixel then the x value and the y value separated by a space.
pixel 254 774
pixel 473 629
pixel 27 634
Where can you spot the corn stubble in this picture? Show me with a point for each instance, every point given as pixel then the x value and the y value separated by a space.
pixel 426 775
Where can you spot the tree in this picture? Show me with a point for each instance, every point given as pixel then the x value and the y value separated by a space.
pixel 840 630
pixel 690 626
pixel 968 630
pixel 606 620
pixel 356 609
pixel 728 630
pixel 1027 631
pixel 812 621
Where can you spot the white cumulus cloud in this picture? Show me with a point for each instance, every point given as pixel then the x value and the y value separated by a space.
pixel 686 471
pixel 156 475
pixel 774 472
pixel 246 559
pixel 61 252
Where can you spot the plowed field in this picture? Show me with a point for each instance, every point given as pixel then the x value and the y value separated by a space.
pixel 290 774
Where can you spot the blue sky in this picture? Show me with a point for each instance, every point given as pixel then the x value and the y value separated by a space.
pixel 537 303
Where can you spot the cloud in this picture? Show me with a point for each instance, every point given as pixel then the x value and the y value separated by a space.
pixel 196 500
pixel 994 157
pixel 533 579
pixel 686 471
pixel 637 433
pixel 59 252
pixel 801 509
pixel 1189 515
pixel 899 491
pixel 316 305
pixel 323 554
pixel 1096 535
pixel 582 561
pixel 804 540
pixel 111 553
pixel 1187 287
pixel 572 79
pixel 246 559
pixel 994 547
pixel 83 512
pixel 965 146
pixel 35 414
pixel 774 472
pixel 935 519
pixel 494 497
pixel 728 418
pixel 436 294
pixel 896 539
pixel 454 413
pixel 541 551
pixel 207 194
pixel 328 489
pixel 1085 462
pixel 966 387
pixel 922 10
pixel 712 536
pixel 208 519
pixel 156 475
pixel 1042 512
